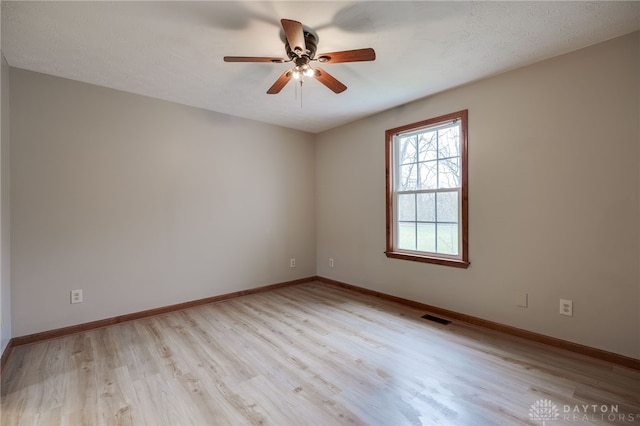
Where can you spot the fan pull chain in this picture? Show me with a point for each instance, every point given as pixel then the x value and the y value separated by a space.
pixel 296 92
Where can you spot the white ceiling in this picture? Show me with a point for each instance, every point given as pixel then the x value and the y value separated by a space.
pixel 174 50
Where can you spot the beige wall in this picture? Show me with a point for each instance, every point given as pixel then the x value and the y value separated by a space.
pixel 143 203
pixel 637 53
pixel 5 222
pixel 553 199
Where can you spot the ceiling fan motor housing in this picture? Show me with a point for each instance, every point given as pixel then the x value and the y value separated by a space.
pixel 311 42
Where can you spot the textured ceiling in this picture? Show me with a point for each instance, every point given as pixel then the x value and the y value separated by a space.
pixel 174 50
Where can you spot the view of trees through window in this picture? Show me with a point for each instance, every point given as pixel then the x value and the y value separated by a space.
pixel 428 189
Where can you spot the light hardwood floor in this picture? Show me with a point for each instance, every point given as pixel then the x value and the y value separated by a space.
pixel 308 354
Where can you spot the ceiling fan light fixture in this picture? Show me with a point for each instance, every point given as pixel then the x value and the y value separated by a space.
pixel 308 72
pixel 302 70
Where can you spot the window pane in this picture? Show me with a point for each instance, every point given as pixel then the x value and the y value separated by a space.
pixel 426 207
pixel 408 178
pixel 447 205
pixel 406 207
pixel 407 151
pixel 427 146
pixel 428 175
pixel 448 238
pixel 449 142
pixel 407 235
pixel 449 173
pixel 427 237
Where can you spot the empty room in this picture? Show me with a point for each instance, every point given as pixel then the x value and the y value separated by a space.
pixel 320 213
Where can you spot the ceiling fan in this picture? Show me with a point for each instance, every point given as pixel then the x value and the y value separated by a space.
pixel 300 45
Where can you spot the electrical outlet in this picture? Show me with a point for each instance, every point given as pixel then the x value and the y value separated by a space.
pixel 330 262
pixel 566 307
pixel 76 296
pixel 292 263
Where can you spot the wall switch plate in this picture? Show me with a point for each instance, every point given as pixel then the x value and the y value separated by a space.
pixel 522 300
pixel 292 263
pixel 76 296
pixel 566 307
pixel 330 262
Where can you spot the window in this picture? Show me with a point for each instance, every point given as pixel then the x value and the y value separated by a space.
pixel 427 191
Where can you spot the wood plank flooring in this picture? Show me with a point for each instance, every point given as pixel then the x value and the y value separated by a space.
pixel 309 354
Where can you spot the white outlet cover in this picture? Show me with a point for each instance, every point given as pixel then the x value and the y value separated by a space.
pixel 566 307
pixel 76 296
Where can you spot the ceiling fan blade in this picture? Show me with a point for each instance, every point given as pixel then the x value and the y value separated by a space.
pixel 357 55
pixel 252 59
pixel 280 83
pixel 329 81
pixel 295 35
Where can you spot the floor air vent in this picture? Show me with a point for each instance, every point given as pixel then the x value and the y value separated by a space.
pixel 436 319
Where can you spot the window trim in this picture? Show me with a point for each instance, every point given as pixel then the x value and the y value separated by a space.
pixel 391 252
